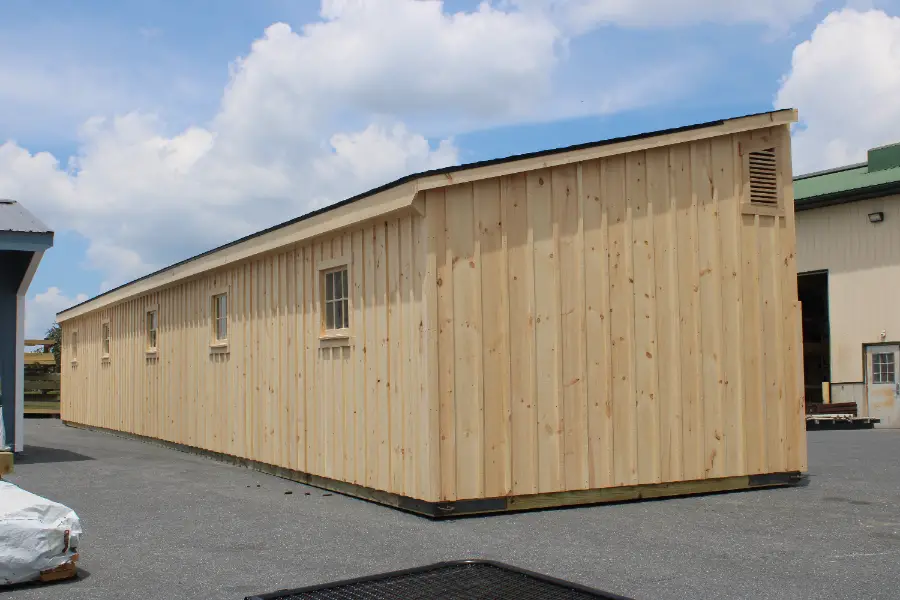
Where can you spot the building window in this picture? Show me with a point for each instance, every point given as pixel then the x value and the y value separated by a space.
pixel 104 338
pixel 883 367
pixel 152 326
pixel 74 346
pixel 336 300
pixel 220 317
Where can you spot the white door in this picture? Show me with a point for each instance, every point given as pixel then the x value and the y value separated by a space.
pixel 882 364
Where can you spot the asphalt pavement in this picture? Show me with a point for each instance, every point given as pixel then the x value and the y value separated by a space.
pixel 166 524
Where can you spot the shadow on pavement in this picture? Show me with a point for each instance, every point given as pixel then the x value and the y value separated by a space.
pixel 33 455
pixel 80 576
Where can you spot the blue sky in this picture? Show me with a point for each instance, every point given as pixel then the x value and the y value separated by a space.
pixel 144 133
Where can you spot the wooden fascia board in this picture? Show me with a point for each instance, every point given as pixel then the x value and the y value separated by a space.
pixel 729 127
pixel 385 202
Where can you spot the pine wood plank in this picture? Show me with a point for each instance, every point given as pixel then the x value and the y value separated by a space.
pixel 437 214
pixel 428 431
pixel 711 310
pixel 523 400
pixel 407 391
pixel 290 361
pixel 646 355
pixel 370 351
pixel 795 405
pixel 551 476
pixel 726 182
pixel 467 331
pixel 395 353
pixel 661 193
pixel 358 324
pixel 382 349
pixel 773 336
pixel 312 329
pixel 597 309
pixel 689 301
pixel 567 214
pixel 495 338
pixel 621 293
pixel 270 361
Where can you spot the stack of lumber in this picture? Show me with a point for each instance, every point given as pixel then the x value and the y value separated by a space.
pixel 42 381
pixel 840 408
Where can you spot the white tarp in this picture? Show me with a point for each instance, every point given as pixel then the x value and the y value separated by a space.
pixel 36 534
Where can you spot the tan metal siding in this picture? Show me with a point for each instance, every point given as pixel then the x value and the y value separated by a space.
pixel 863 263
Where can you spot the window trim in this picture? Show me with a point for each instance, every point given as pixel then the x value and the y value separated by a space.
pixel 764 141
pixel 331 338
pixel 104 356
pixel 148 349
pixel 216 345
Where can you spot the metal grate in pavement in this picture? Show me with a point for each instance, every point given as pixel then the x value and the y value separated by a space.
pixel 464 580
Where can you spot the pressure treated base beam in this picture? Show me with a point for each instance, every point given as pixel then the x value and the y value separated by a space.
pixel 6 463
pixel 462 508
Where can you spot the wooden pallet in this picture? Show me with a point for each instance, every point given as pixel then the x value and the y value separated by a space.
pixel 845 420
pixel 64 571
pixel 6 463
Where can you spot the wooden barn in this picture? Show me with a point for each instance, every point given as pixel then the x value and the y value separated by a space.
pixel 603 322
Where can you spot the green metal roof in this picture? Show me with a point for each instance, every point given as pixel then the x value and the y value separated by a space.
pixel 879 176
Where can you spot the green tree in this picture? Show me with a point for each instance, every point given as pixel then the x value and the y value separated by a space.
pixel 55 334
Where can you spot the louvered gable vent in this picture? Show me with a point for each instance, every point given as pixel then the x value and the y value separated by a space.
pixel 763 177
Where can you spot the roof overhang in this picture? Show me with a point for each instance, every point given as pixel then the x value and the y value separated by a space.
pixel 846 197
pixel 403 194
pixel 25 241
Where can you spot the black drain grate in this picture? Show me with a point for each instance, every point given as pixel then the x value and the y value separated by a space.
pixel 464 580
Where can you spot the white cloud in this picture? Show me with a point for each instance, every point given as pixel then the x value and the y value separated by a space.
pixel 845 81
pixel 41 309
pixel 583 15
pixel 315 115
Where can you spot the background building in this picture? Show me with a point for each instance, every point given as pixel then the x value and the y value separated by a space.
pixel 23 240
pixel 848 256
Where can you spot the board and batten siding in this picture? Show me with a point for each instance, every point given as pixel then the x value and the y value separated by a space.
pixel 863 262
pixel 622 321
pixel 356 413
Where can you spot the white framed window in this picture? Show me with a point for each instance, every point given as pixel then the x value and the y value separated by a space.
pixel 104 339
pixel 883 368
pixel 220 317
pixel 73 341
pixel 335 301
pixel 152 323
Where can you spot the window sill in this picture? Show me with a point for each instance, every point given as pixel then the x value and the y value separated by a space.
pixel 104 358
pixel 152 353
pixel 74 362
pixel 337 340
pixel 219 347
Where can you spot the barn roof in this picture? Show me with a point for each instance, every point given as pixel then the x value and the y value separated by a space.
pixel 401 194
pixel 14 218
pixel 21 230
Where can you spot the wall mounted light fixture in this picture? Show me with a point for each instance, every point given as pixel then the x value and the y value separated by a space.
pixel 876 217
